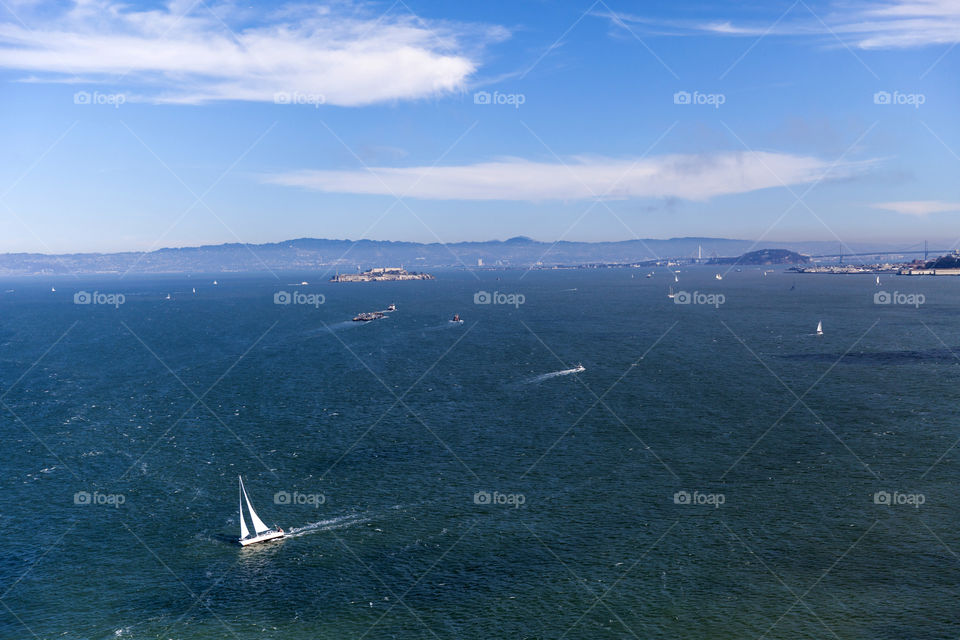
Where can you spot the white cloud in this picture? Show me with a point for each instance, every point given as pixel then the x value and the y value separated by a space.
pixel 896 24
pixel 918 207
pixel 692 177
pixel 342 53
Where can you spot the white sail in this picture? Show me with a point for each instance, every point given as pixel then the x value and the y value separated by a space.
pixel 258 525
pixel 820 328
pixel 243 524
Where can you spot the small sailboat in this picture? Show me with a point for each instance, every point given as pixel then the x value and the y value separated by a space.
pixel 194 289
pixel 215 283
pixel 675 278
pixel 261 532
pixel 168 297
pixel 671 295
pixel 53 289
pixel 820 328
pixel 878 280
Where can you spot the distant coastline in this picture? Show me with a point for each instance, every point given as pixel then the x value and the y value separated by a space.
pixel 348 256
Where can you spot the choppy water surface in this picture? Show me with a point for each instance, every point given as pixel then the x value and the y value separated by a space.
pixel 716 471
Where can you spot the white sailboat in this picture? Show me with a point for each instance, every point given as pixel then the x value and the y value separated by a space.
pixel 878 280
pixel 819 327
pixel 675 278
pixel 261 532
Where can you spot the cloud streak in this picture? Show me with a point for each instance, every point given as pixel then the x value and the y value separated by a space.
pixel 185 53
pixel 691 177
pixel 898 24
pixel 918 208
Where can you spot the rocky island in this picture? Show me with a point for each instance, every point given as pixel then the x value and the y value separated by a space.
pixel 381 274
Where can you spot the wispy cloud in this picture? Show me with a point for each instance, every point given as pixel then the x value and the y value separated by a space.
pixel 897 24
pixel 185 52
pixel 691 177
pixel 918 207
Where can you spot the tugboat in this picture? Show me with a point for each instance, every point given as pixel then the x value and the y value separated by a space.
pixel 368 316
pixel 456 319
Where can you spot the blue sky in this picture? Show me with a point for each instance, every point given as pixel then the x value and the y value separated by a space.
pixel 141 125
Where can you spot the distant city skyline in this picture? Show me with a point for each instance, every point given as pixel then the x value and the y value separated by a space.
pixel 143 125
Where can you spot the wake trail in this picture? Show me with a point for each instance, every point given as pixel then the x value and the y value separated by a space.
pixel 553 374
pixel 328 524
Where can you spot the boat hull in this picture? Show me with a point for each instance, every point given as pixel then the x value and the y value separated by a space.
pixel 263 537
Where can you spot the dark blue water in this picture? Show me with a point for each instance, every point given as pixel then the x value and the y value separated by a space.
pixel 391 432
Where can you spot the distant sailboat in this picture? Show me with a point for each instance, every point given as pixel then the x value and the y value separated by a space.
pixel 215 282
pixel 675 278
pixel 671 295
pixel 53 289
pixel 262 532
pixel 878 281
pixel 718 277
pixel 820 328
pixel 168 296
pixel 194 289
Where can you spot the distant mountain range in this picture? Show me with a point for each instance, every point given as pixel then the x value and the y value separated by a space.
pixel 311 254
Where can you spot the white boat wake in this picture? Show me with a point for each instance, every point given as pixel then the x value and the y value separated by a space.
pixel 554 374
pixel 326 525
